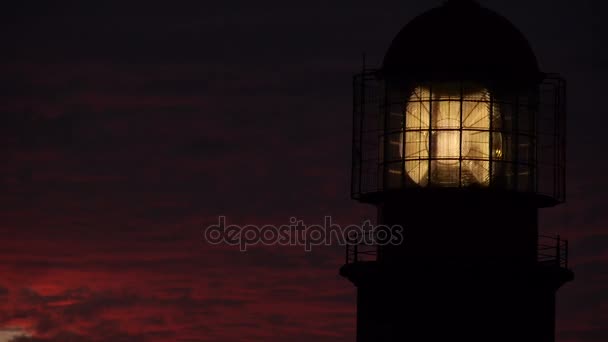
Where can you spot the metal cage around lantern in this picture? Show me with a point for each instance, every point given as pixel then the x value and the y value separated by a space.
pixel 461 134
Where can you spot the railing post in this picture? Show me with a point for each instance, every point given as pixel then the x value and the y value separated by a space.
pixel 566 254
pixel 347 251
pixel 558 249
pixel 356 253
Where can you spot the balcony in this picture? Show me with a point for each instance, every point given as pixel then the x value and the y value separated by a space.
pixel 551 251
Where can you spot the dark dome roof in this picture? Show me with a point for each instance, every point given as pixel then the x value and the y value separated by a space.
pixel 461 40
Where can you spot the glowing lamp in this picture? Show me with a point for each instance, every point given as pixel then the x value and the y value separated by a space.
pixel 453 131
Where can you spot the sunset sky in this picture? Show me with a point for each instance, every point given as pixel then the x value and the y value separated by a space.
pixel 126 128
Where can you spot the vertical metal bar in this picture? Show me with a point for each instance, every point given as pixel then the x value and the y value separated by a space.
pixel 377 247
pixel 460 137
pixel 566 254
pixel 558 248
pixel 356 148
pixel 430 180
pixel 403 109
pixel 516 142
pixel 385 147
pixel 361 126
pixel 563 118
pixel 347 252
pixel 537 139
pixel 490 156
pixel 533 163
pixel 556 141
pixel 531 154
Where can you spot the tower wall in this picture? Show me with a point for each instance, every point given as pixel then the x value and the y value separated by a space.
pixel 403 303
pixel 461 229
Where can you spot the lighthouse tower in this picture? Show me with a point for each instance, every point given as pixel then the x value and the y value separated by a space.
pixel 458 138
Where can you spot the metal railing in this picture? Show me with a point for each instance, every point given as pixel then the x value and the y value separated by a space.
pixel 359 252
pixel 551 251
pixel 361 248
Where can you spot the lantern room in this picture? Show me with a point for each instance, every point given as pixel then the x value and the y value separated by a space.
pixel 464 108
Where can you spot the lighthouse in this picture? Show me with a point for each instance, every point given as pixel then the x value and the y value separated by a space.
pixel 458 138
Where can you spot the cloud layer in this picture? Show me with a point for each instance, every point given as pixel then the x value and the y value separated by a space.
pixel 126 129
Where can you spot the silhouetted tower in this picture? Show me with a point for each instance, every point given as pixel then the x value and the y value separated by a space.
pixel 459 138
